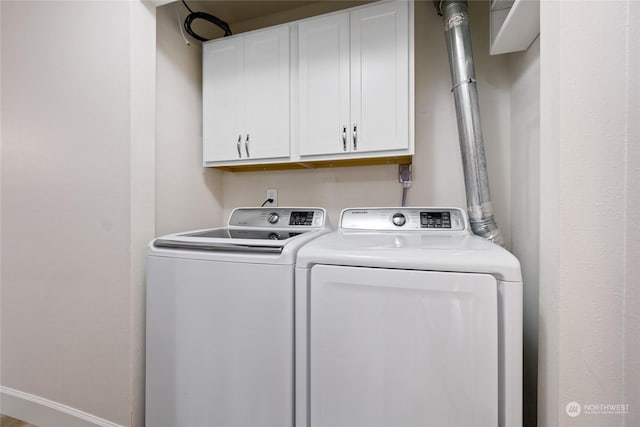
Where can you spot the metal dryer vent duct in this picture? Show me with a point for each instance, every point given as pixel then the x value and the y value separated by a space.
pixel 465 92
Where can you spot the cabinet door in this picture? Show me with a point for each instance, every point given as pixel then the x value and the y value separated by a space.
pixel 222 98
pixel 380 77
pixel 266 95
pixel 323 85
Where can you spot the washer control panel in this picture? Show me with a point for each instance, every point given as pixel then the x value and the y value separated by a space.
pixel 406 219
pixel 281 218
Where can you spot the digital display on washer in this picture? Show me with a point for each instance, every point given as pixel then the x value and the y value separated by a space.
pixel 301 218
pixel 435 219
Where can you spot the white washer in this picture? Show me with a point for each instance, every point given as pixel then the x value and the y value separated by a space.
pixel 404 318
pixel 220 314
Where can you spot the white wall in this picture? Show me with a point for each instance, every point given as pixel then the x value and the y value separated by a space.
pixel 525 206
pixel 631 309
pixel 77 189
pixel 188 196
pixel 437 169
pixel 589 211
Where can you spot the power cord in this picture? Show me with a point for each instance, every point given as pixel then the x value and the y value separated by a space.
pixel 266 201
pixel 181 27
pixel 207 17
pixel 405 180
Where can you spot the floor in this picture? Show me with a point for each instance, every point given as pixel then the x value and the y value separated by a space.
pixel 7 421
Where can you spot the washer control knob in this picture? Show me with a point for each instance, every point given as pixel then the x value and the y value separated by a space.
pixel 398 219
pixel 273 218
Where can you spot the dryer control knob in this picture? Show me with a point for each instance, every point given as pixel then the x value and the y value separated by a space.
pixel 273 218
pixel 398 219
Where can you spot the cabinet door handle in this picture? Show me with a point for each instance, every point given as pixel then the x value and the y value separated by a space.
pixel 238 146
pixel 344 138
pixel 246 145
pixel 355 137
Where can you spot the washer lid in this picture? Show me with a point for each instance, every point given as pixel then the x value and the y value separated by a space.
pixel 231 239
pixel 251 233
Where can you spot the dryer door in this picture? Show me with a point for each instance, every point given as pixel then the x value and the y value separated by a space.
pixel 402 348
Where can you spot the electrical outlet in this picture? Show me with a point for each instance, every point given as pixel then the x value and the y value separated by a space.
pixel 405 173
pixel 272 193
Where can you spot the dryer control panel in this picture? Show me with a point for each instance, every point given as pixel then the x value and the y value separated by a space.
pixel 405 219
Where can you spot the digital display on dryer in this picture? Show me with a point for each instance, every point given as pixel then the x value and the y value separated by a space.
pixel 435 219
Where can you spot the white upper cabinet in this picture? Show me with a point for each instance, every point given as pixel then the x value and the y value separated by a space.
pixel 380 77
pixel 323 85
pixel 246 99
pixel 354 82
pixel 333 87
pixel 266 95
pixel 222 107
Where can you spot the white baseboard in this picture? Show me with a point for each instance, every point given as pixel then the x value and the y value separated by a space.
pixel 44 412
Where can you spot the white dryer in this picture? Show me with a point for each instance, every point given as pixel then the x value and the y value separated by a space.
pixel 220 332
pixel 404 318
